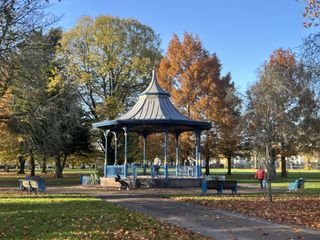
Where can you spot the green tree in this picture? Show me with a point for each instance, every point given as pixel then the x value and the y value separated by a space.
pixel 19 19
pixel 45 112
pixel 110 60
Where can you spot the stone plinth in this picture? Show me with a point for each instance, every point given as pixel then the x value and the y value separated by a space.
pixel 109 182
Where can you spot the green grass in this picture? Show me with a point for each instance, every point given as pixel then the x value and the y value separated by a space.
pixel 312 185
pixel 70 178
pixel 247 175
pixel 77 217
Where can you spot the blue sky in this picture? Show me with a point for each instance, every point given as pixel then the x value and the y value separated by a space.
pixel 243 33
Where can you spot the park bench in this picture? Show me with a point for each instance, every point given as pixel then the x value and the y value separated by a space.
pixel 296 185
pixel 220 185
pixel 32 185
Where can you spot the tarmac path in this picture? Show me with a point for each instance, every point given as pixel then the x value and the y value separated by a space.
pixel 218 224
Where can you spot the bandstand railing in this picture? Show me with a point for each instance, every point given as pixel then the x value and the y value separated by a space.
pixel 153 171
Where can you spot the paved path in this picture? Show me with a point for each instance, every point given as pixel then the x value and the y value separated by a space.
pixel 218 224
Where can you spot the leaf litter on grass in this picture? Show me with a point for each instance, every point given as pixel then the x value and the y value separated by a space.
pixel 293 209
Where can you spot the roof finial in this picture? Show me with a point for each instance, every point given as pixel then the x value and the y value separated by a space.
pixel 154 75
pixel 154 87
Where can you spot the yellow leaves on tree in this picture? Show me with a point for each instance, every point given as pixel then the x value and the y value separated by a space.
pixel 109 59
pixel 311 13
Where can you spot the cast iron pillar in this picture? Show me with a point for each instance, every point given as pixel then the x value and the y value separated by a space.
pixel 165 152
pixel 115 148
pixel 125 165
pixel 105 133
pixel 177 152
pixel 198 163
pixel 144 153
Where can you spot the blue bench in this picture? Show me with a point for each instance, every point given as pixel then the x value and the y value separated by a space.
pixel 221 185
pixel 296 185
pixel 32 185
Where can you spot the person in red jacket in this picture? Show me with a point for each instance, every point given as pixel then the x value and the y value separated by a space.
pixel 260 175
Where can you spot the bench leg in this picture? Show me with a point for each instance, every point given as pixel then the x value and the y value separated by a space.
pixel 234 190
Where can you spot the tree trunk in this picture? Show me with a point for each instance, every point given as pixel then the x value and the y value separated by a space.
pixel 207 166
pixel 272 169
pixel 58 168
pixel 283 166
pixel 44 165
pixel 22 164
pixel 32 163
pixel 229 164
pixel 269 190
pixel 65 155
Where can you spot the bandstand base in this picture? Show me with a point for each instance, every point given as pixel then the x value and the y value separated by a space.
pixel 177 182
pixel 109 182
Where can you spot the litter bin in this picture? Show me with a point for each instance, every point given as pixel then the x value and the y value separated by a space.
pixel 85 179
pixel 204 186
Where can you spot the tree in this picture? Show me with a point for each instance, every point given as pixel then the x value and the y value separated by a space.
pixel 45 111
pixel 276 109
pixel 18 20
pixel 193 78
pixel 310 52
pixel 62 131
pixel 28 87
pixel 110 60
pixel 229 123
pixel 311 13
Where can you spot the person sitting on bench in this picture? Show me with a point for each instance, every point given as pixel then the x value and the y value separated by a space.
pixel 124 185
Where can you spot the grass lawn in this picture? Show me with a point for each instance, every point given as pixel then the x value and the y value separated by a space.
pixel 71 177
pixel 312 177
pixel 78 217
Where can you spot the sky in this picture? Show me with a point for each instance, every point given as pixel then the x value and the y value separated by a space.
pixel 243 33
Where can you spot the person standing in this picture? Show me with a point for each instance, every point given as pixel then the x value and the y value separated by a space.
pixel 260 175
pixel 157 163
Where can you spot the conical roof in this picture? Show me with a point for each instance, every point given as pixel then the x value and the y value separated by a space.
pixel 154 112
pixel 154 103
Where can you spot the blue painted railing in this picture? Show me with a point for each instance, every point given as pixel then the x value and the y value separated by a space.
pixel 187 171
pixel 114 170
pixel 155 171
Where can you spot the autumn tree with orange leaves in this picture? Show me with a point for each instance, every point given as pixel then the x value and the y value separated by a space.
pixel 193 78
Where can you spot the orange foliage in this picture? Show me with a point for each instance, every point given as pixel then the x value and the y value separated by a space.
pixel 192 76
pixel 282 58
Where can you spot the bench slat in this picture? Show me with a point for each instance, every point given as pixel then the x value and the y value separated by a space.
pixel 220 185
pixel 32 185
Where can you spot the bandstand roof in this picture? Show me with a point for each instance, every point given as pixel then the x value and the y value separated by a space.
pixel 153 112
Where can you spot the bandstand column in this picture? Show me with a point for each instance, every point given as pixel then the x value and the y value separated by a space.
pixel 105 133
pixel 115 149
pixel 144 153
pixel 198 164
pixel 165 152
pixel 177 152
pixel 125 165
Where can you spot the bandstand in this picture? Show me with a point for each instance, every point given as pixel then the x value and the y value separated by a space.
pixel 152 113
